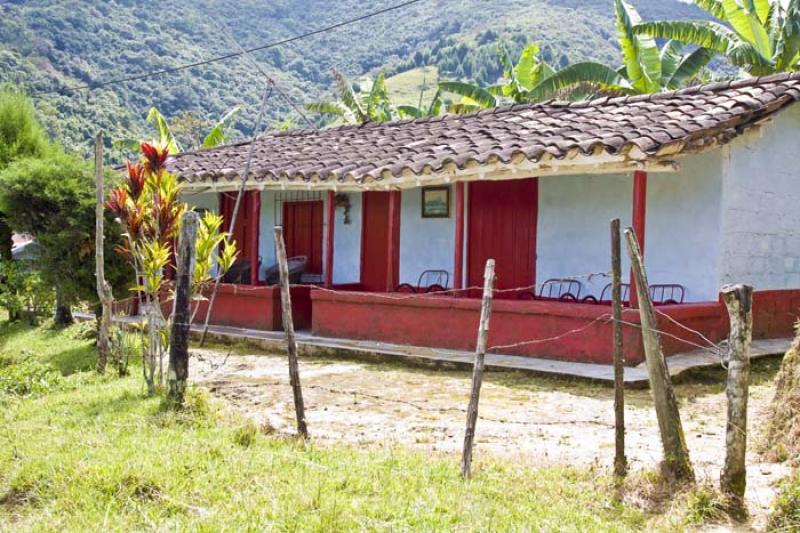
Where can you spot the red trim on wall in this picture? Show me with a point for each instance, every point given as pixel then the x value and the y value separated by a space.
pixel 393 247
pixel 374 240
pixel 254 221
pixel 329 241
pixel 458 257
pixel 639 220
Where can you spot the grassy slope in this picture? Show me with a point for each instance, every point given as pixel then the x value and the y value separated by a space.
pixel 95 454
pixel 404 88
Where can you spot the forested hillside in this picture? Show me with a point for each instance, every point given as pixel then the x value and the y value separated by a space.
pixel 49 46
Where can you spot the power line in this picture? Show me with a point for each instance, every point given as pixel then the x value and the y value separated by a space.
pixel 100 85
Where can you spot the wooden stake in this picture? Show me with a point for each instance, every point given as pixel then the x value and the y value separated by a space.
pixel 620 461
pixel 733 480
pixel 477 371
pixel 178 372
pixel 288 327
pixel 676 454
pixel 104 293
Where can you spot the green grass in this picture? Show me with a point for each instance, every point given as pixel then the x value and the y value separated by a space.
pixel 94 453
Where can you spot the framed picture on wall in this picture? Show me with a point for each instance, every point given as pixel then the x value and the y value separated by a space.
pixel 436 202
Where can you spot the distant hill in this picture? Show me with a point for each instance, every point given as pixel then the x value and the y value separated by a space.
pixel 47 45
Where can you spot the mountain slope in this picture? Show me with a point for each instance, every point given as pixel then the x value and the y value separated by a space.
pixel 47 46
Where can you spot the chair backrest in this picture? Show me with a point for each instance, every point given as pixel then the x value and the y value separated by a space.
pixel 434 277
pixel 668 293
pixel 239 273
pixel 558 288
pixel 605 296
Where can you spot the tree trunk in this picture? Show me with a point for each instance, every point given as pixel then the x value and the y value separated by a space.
pixel 477 371
pixel 620 461
pixel 178 373
pixel 103 288
pixel 288 327
pixel 733 480
pixel 63 313
pixel 676 453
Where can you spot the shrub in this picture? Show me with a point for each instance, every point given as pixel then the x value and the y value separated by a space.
pixel 27 376
pixel 786 508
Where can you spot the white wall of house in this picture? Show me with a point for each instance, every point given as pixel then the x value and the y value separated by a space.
pixel 347 243
pixel 761 221
pixel 682 236
pixel 573 234
pixel 425 243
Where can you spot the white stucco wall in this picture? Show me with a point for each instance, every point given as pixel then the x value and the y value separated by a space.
pixel 682 230
pixel 347 243
pixel 761 194
pixel 573 234
pixel 425 243
pixel 681 235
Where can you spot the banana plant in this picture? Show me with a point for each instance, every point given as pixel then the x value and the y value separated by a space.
pixel 759 36
pixel 519 78
pixel 372 104
pixel 646 69
pixel 165 136
pixel 433 108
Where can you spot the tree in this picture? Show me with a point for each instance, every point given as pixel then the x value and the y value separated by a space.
pixel 167 135
pixel 52 198
pixel 20 136
pixel 759 36
pixel 519 78
pixel 371 104
pixel 646 69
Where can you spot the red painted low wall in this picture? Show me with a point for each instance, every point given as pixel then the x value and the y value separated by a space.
pixel 583 331
pixel 250 307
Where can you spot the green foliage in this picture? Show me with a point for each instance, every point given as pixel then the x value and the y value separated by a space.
pixel 786 507
pixel 23 291
pixel 53 199
pixel 370 103
pixel 20 133
pixel 760 36
pixel 27 376
pixel 704 504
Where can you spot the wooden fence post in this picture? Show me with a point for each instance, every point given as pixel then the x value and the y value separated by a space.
pixel 676 454
pixel 288 327
pixel 733 480
pixel 620 461
pixel 178 371
pixel 477 371
pixel 104 293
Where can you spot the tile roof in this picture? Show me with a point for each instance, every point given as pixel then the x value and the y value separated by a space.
pixel 527 137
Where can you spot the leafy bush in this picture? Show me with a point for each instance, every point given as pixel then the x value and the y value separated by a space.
pixel 24 292
pixel 27 376
pixel 786 508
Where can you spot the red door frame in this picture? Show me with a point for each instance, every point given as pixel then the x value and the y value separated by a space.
pixel 392 221
pixel 472 240
pixel 248 225
pixel 639 222
pixel 316 259
pixel 329 240
pixel 458 258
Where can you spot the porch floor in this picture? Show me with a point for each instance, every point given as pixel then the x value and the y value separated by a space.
pixel 413 355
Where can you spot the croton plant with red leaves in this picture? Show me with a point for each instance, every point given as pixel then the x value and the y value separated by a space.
pixel 147 206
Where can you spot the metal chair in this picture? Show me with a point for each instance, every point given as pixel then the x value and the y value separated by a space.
pixel 667 293
pixel 564 289
pixel 429 281
pixel 605 295
pixel 660 293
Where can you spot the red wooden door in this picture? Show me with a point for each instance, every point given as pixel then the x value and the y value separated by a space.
pixel 375 228
pixel 242 231
pixel 502 225
pixel 302 232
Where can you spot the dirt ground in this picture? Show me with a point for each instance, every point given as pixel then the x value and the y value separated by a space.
pixel 534 420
